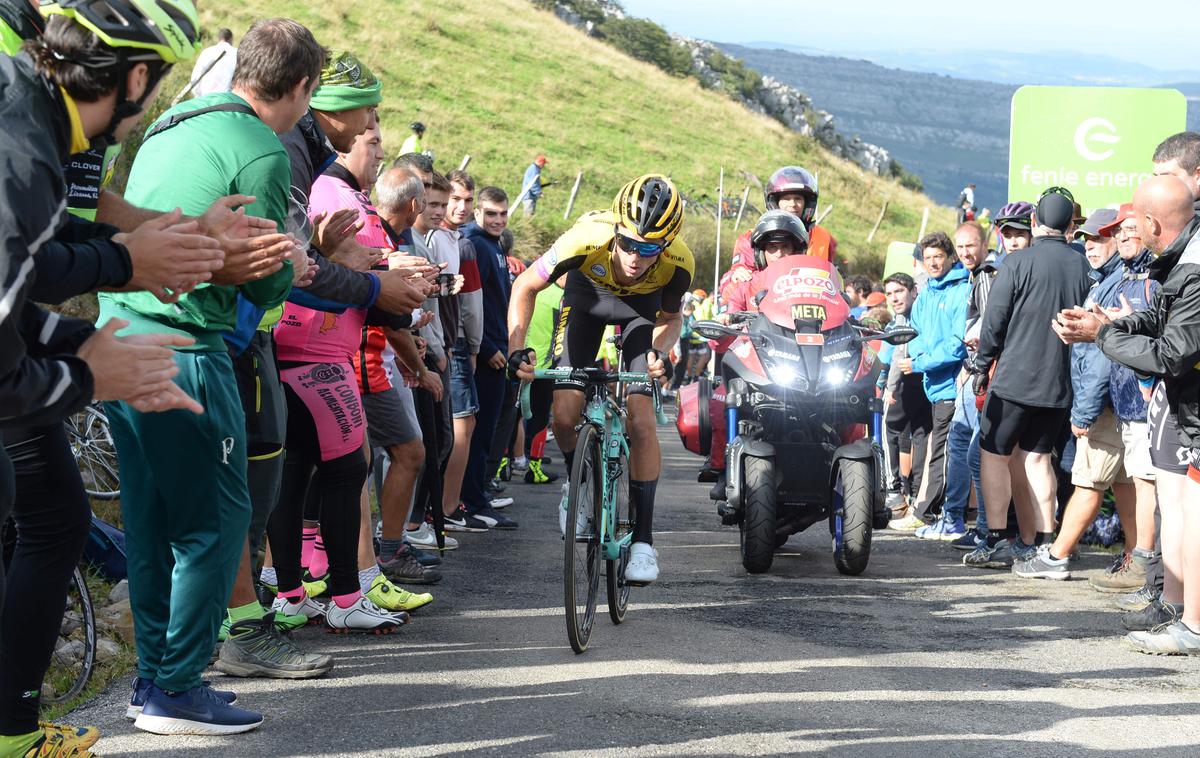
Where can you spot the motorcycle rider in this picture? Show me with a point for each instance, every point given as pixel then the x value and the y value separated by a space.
pixel 777 233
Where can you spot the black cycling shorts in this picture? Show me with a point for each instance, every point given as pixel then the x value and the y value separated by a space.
pixel 1166 451
pixel 1005 425
pixel 586 311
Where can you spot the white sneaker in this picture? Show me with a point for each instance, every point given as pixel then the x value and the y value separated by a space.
pixel 500 502
pixel 581 519
pixel 643 564
pixel 311 607
pixel 520 465
pixel 424 537
pixel 363 616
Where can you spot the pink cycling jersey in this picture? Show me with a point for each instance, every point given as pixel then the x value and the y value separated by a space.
pixel 308 336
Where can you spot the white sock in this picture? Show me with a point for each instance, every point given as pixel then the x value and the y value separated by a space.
pixel 521 462
pixel 268 575
pixel 366 577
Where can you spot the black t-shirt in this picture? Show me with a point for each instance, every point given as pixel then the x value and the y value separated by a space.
pixel 1031 288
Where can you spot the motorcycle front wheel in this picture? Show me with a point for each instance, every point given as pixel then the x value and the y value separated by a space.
pixel 758 514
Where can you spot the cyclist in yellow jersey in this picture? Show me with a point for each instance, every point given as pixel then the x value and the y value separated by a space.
pixel 627 267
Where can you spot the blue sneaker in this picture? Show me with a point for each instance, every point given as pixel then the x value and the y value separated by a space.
pixel 141 691
pixel 1021 551
pixel 972 539
pixel 943 529
pixel 196 711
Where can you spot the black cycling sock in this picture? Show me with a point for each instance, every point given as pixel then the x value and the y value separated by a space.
pixel 1043 538
pixel 994 536
pixel 642 494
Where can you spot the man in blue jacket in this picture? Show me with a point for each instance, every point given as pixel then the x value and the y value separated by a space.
pixel 940 318
pixel 531 184
pixel 491 218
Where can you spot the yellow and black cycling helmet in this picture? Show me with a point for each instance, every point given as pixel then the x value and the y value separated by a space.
pixel 650 206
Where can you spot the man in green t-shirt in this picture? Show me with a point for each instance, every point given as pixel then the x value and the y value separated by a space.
pixel 185 501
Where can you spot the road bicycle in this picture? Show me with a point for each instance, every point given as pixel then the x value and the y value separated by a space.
pixel 598 496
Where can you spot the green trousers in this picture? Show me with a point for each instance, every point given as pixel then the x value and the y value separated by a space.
pixel 186 508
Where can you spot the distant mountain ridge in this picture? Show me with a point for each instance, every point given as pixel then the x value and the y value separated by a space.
pixel 947 130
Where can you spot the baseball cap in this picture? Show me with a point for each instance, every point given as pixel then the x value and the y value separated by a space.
pixel 1055 211
pixel 1099 224
pixel 876 299
pixel 1124 213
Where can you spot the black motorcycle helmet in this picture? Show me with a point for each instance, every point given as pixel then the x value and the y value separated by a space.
pixel 794 179
pixel 774 225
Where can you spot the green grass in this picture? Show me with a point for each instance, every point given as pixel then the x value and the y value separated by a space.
pixel 505 81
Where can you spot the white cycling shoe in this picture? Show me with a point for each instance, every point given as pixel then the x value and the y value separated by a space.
pixel 308 606
pixel 363 616
pixel 643 564
pixel 581 519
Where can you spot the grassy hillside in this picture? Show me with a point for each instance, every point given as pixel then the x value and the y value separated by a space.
pixel 505 85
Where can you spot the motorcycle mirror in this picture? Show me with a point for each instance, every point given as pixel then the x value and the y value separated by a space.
pixel 900 335
pixel 712 330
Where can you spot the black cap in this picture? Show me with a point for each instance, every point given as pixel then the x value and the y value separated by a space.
pixel 1056 212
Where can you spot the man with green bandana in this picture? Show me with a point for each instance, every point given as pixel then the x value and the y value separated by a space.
pixel 184 498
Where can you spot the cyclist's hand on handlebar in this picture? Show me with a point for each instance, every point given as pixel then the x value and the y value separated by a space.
pixel 520 364
pixel 656 367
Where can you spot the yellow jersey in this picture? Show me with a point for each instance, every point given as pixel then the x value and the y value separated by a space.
pixel 587 246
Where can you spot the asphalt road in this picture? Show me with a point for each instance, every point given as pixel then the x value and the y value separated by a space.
pixel 919 656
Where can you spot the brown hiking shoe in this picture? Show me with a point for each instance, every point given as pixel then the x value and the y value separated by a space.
pixel 1125 575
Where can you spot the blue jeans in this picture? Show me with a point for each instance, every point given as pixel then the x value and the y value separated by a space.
pixel 962 450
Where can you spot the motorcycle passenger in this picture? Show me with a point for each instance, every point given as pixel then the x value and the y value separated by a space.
pixel 794 190
pixel 627 267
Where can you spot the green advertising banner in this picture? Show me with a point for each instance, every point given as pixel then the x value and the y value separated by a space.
pixel 1095 141
pixel 899 259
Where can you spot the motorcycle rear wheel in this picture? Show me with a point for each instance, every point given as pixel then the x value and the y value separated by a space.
pixel 758 514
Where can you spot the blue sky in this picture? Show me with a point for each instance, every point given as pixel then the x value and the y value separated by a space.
pixel 1105 27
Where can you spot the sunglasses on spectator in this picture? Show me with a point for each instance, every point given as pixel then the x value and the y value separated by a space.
pixel 643 249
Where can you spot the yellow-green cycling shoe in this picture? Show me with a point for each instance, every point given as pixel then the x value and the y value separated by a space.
pixel 283 622
pixel 392 598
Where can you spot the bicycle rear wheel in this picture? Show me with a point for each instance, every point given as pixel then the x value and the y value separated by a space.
pixel 582 551
pixel 75 653
pixel 618 589
pixel 92 444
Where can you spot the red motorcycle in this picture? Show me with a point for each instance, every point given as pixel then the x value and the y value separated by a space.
pixel 796 398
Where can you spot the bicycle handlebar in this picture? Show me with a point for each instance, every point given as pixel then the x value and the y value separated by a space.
pixel 593 376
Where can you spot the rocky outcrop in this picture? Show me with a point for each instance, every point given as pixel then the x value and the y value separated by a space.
pixel 792 108
pixel 767 95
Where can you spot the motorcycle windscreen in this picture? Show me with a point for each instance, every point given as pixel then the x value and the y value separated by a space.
pixel 803 288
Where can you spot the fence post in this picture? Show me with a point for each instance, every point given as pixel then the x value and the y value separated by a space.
pixel 741 209
pixel 574 192
pixel 878 221
pixel 466 160
pixel 717 257
pixel 924 223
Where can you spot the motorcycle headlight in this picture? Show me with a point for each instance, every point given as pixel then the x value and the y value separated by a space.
pixel 784 374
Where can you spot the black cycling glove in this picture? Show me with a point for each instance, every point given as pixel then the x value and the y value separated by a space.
pixel 516 358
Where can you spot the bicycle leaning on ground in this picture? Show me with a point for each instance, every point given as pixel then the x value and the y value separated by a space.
pixel 598 498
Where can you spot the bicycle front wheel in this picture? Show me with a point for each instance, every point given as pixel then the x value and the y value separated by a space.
pixel 582 541
pixel 75 652
pixel 95 454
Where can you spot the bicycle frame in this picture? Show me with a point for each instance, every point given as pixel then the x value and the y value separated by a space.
pixel 603 411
